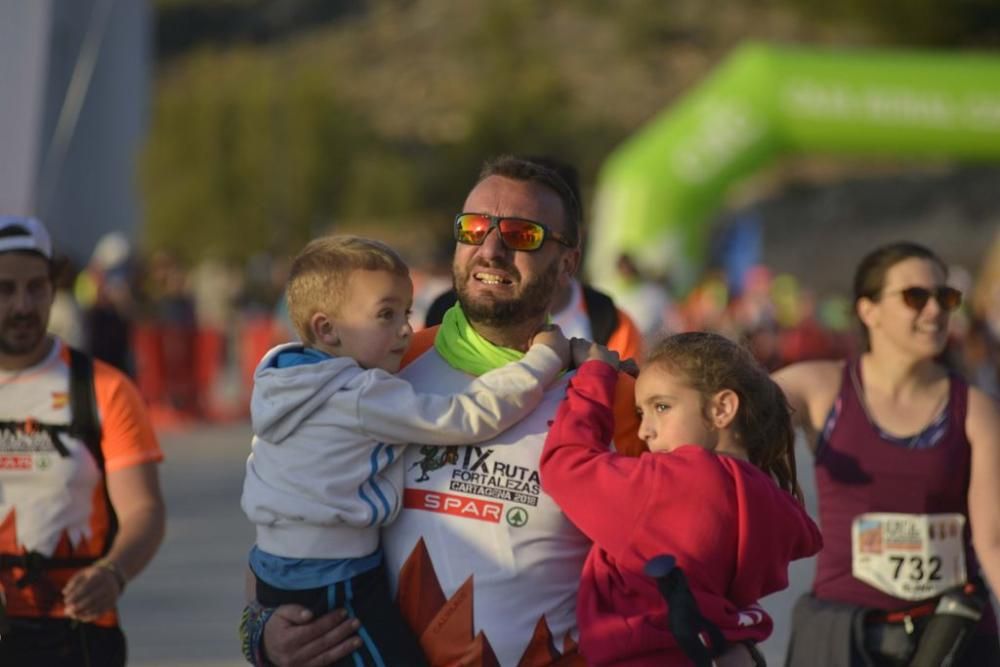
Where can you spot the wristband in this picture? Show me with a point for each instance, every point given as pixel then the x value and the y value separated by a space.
pixel 115 570
pixel 252 622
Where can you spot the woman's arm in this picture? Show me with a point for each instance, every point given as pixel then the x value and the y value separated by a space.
pixel 135 495
pixel 811 388
pixel 982 426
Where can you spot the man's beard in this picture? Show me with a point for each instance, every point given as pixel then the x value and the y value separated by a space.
pixel 534 301
pixel 12 345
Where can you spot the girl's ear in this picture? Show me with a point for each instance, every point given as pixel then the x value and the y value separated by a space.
pixel 723 408
pixel 324 330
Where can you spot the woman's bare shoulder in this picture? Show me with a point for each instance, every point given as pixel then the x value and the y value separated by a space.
pixel 811 388
pixel 820 374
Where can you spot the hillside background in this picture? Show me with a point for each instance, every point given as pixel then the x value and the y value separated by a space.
pixel 275 121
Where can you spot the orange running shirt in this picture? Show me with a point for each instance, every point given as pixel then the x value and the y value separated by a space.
pixel 54 504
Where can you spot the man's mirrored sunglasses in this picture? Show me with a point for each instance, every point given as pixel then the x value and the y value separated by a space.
pixel 516 233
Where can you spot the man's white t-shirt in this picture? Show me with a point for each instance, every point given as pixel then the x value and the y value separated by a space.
pixel 484 565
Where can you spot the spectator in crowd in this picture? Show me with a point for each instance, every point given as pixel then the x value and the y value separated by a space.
pixel 104 290
pixel 66 318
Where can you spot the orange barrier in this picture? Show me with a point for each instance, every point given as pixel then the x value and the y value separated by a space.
pixel 149 366
pixel 178 345
pixel 180 371
pixel 257 337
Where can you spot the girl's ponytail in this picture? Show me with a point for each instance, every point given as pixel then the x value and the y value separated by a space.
pixel 765 427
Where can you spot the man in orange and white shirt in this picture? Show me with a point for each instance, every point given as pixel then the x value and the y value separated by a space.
pixel 77 522
pixel 484 564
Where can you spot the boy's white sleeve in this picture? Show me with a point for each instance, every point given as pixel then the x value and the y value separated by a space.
pixel 391 411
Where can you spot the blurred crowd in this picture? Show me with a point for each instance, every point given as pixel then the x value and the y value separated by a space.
pixel 191 335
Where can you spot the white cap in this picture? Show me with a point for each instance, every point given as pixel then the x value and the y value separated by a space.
pixel 23 233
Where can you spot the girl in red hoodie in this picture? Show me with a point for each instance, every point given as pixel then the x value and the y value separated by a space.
pixel 717 491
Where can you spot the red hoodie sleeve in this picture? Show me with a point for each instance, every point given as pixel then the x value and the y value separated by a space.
pixel 594 486
pixel 774 530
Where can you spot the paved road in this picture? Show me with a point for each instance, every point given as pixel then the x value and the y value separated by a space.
pixel 183 611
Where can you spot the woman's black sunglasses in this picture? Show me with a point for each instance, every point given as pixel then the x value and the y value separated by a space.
pixel 916 298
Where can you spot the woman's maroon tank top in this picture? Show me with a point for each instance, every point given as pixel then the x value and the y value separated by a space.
pixel 858 470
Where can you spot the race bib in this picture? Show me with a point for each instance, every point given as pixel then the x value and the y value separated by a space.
pixel 909 556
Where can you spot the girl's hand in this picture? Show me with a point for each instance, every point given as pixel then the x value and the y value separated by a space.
pixel 584 350
pixel 552 336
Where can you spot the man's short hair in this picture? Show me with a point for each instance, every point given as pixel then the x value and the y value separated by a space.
pixel 317 281
pixel 520 169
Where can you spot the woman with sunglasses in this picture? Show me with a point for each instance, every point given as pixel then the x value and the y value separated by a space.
pixel 907 462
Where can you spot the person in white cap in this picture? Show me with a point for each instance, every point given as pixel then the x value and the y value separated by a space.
pixel 80 506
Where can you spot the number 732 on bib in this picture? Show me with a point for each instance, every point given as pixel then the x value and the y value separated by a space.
pixel 909 556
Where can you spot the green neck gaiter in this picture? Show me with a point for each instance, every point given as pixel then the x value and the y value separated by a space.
pixel 464 349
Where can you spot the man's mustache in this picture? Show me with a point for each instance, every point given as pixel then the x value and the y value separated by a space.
pixel 16 320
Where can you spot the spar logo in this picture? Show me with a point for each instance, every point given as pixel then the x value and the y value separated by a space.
pixel 517 516
pixel 447 503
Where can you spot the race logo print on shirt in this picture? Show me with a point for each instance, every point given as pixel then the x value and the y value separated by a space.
pixel 29 446
pixel 478 471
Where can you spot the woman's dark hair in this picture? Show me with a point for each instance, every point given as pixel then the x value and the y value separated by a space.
pixel 712 363
pixel 869 277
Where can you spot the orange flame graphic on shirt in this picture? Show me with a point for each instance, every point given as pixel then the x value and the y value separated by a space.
pixel 446 628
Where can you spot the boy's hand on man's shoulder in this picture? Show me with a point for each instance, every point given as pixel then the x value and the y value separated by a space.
pixel 552 336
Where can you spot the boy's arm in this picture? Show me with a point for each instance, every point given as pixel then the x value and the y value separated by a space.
pixel 390 410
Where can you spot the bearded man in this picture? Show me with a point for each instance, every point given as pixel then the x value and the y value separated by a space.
pixel 484 565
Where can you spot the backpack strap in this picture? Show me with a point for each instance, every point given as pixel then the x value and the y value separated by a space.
pixel 86 426
pixel 84 423
pixel 602 313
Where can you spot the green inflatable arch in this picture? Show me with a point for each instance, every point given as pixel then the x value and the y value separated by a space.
pixel 657 191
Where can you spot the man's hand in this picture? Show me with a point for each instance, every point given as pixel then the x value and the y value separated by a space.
pixel 292 638
pixel 552 336
pixel 91 592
